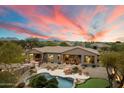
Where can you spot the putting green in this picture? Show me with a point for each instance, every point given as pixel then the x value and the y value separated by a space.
pixel 94 83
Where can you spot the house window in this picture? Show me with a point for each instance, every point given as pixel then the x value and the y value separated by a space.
pixel 89 59
pixel 50 57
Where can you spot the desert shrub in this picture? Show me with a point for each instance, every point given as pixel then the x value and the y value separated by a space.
pixel 41 82
pixel 38 81
pixel 75 70
pixel 51 85
pixel 53 80
pixel 7 79
pixel 93 66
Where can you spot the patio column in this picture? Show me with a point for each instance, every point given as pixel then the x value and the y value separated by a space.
pixel 82 59
pixel 61 58
pixel 55 58
pixel 41 57
pixel 95 59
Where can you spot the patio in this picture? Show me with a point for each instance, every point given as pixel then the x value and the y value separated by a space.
pixel 60 72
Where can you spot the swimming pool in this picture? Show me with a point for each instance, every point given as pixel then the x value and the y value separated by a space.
pixel 62 81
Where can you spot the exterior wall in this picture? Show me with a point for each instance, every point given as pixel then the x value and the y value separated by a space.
pixel 75 51
pixel 78 51
pixel 56 60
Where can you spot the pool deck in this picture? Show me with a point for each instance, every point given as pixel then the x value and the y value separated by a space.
pixel 59 72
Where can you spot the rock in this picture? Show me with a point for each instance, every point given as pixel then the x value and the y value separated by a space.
pixel 20 85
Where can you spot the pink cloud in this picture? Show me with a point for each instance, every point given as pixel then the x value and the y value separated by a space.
pixel 100 35
pixel 20 30
pixel 78 27
pixel 38 19
pixel 116 13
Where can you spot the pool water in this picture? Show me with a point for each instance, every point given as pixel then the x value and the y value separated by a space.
pixel 62 82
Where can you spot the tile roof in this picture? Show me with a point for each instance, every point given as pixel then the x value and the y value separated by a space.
pixel 60 49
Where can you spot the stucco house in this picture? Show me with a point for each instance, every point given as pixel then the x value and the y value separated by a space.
pixel 68 55
pixel 100 46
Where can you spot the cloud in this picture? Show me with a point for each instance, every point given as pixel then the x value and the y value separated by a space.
pixel 120 39
pixel 102 34
pixel 20 30
pixel 43 18
pixel 117 12
pixel 37 19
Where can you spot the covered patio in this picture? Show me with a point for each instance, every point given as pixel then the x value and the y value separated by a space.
pixel 71 59
pixel 34 55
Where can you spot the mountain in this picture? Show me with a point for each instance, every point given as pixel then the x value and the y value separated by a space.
pixel 8 38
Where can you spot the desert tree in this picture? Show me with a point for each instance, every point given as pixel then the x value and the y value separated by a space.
pixel 11 53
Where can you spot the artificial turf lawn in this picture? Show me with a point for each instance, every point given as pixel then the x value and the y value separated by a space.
pixel 94 83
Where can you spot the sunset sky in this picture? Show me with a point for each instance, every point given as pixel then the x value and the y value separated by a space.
pixel 73 23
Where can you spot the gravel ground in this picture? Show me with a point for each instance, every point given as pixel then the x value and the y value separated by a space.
pixel 98 72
